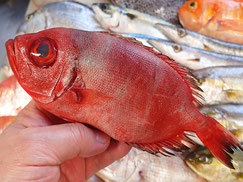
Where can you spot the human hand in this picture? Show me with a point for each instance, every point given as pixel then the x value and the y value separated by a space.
pixel 38 146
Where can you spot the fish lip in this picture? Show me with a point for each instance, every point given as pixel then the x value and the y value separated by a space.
pixel 10 47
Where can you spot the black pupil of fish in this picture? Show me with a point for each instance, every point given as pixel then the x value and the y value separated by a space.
pixel 192 4
pixel 43 50
pixel 103 7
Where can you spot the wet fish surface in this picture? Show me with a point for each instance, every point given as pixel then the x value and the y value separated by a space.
pixel 60 14
pixel 75 80
pixel 139 166
pixel 122 20
pixel 194 58
pixel 193 39
pixel 221 84
pixel 220 19
pixel 12 97
pixel 206 165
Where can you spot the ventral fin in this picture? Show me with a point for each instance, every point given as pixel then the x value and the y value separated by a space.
pixel 167 147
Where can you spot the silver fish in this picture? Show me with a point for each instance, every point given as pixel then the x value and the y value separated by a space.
pixel 164 9
pixel 206 165
pixel 60 14
pixel 194 58
pixel 143 167
pixel 193 39
pixel 40 3
pixel 229 115
pixel 221 84
pixel 121 20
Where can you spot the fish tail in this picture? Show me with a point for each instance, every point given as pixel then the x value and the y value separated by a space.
pixel 221 143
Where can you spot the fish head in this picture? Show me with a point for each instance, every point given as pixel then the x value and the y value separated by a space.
pixel 190 14
pixel 42 63
pixel 205 164
pixel 111 17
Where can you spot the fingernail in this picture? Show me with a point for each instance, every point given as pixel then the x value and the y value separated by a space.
pixel 101 137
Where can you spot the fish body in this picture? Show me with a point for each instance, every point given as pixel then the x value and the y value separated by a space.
pixel 220 19
pixel 12 97
pixel 60 14
pixel 117 85
pixel 134 167
pixel 207 166
pixel 164 9
pixel 221 85
pixel 193 39
pixel 194 58
pixel 121 20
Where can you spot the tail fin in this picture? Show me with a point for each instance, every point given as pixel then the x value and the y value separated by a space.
pixel 219 141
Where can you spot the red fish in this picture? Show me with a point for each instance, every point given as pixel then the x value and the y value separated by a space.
pixel 12 97
pixel 117 85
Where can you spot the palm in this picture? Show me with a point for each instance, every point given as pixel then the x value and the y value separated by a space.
pixel 45 148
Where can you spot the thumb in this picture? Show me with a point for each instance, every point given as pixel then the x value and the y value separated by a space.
pixel 64 142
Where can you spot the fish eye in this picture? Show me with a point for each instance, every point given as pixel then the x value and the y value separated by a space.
pixel 192 5
pixel 181 32
pixel 177 48
pixel 205 159
pixel 103 7
pixel 43 52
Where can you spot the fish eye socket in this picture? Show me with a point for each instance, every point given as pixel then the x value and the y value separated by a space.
pixel 177 48
pixel 103 7
pixel 43 52
pixel 192 5
pixel 181 32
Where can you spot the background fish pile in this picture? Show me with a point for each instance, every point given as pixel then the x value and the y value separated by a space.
pixel 217 66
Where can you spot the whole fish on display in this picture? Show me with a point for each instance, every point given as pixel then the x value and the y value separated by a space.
pixel 195 58
pixel 193 39
pixel 119 86
pixel 220 19
pixel 121 20
pixel 60 14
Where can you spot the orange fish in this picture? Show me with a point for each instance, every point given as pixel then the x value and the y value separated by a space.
pixel 117 85
pixel 220 19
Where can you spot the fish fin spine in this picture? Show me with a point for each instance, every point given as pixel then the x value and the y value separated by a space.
pixel 218 140
pixel 167 147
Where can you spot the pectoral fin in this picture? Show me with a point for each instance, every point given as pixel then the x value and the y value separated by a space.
pixel 88 96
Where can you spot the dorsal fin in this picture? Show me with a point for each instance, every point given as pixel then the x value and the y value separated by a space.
pixel 186 75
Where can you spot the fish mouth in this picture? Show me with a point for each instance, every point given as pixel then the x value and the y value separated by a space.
pixel 10 47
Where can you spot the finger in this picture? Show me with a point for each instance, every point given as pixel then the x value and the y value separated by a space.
pixel 33 116
pixel 52 145
pixel 115 151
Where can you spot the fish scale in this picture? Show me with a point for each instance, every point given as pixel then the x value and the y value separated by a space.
pixel 150 111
